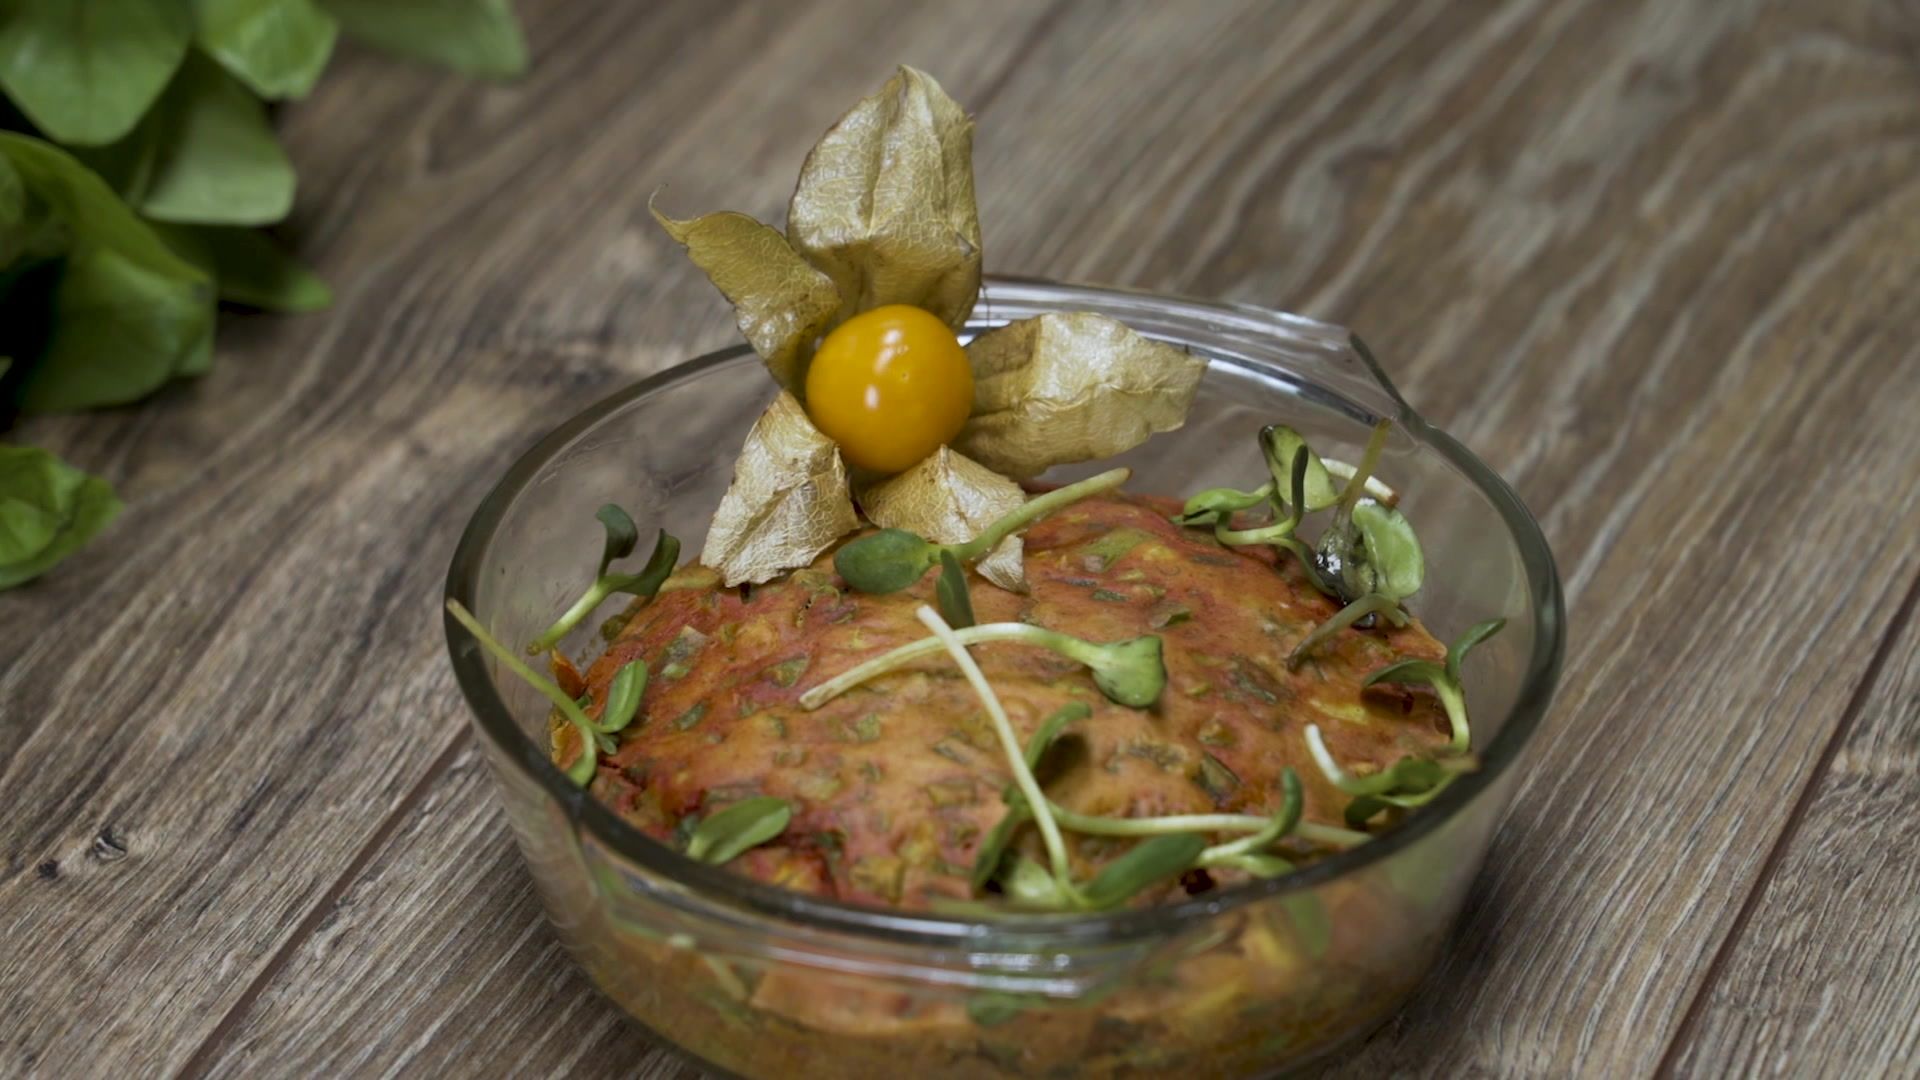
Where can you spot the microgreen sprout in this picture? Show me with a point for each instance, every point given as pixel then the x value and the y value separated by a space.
pixel 1129 672
pixel 1216 505
pixel 1280 445
pixel 1408 783
pixel 892 559
pixel 622 536
pixel 1023 777
pixel 724 835
pixel 1284 821
pixel 993 849
pixel 623 696
pixel 1370 604
pixel 956 606
pixel 1444 678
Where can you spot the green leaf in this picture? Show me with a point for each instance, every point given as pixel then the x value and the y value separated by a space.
pixel 85 71
pixel 659 567
pixel 1148 863
pixel 248 267
pixel 216 160
pixel 993 849
pixel 623 697
pixel 127 313
pixel 47 510
pixel 1464 644
pixel 1220 504
pixel 1392 550
pixel 277 47
pixel 723 836
pixel 478 37
pixel 885 562
pixel 951 590
pixel 622 535
pixel 30 232
pixel 1279 444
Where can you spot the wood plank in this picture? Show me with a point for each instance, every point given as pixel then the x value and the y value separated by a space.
pixel 1584 943
pixel 1821 983
pixel 209 714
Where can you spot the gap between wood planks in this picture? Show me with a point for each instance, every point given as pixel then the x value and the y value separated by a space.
pixel 199 1063
pixel 1817 777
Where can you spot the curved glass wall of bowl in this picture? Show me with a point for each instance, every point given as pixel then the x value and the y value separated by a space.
pixel 664 449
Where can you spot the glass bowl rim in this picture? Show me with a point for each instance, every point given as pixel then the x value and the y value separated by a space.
pixel 704 887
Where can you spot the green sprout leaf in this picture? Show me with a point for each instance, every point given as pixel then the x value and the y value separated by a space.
pixel 1392 551
pixel 724 835
pixel 1147 864
pixel 1218 505
pixel 85 71
pixel 623 697
pixel 1280 446
pixel 621 535
pixel 1408 783
pixel 582 770
pixel 1130 672
pixel 1370 604
pixel 1444 679
pixel 277 47
pixel 955 605
pixel 886 561
pixel 47 510
pixel 986 860
pixel 892 559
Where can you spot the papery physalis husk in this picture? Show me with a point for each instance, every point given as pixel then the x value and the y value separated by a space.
pixel 950 499
pixel 782 303
pixel 788 501
pixel 885 203
pixel 1071 386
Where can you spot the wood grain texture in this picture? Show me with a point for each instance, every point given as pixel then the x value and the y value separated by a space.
pixel 1821 980
pixel 1651 260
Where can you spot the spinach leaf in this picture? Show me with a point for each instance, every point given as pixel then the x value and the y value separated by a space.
pixel 85 71
pixel 277 47
pixel 248 267
pixel 47 509
pixel 215 159
pixel 127 314
pixel 477 37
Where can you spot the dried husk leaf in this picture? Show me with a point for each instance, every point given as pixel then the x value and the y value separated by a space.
pixel 950 499
pixel 885 202
pixel 1071 386
pixel 788 502
pixel 782 303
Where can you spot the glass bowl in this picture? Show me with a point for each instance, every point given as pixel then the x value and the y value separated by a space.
pixel 763 982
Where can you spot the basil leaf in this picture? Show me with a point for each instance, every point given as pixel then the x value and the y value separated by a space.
pixel 623 697
pixel 277 47
pixel 127 314
pixel 85 71
pixel 216 160
pixel 951 590
pixel 622 535
pixel 47 510
pixel 723 836
pixel 248 267
pixel 478 37
pixel 1392 550
pixel 1150 862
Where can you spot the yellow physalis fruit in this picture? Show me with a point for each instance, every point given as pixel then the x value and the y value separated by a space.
pixel 890 386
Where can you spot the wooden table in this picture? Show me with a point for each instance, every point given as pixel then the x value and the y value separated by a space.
pixel 1655 261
